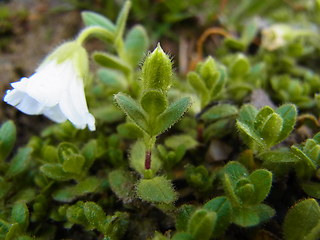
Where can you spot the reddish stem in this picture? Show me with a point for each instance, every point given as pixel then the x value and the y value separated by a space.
pixel 200 132
pixel 147 163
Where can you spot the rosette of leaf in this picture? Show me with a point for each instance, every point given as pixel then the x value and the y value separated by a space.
pixel 264 128
pixel 208 222
pixel 118 71
pixel 14 224
pixel 65 163
pixel 152 115
pixel 309 228
pixel 208 80
pixel 293 90
pixel 218 120
pixel 307 165
pixel 246 192
pixel 91 216
pixel 244 77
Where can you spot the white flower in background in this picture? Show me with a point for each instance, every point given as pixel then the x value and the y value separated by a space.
pixel 275 36
pixel 56 89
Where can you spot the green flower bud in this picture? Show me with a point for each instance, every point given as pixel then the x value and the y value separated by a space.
pixel 157 71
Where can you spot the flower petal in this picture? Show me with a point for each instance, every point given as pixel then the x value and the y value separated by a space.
pixel 74 106
pixel 23 102
pixel 54 114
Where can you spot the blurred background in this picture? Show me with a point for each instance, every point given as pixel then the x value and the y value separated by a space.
pixel 30 29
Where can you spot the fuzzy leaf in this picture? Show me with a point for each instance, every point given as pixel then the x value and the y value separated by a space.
pixel 248 114
pixel 111 61
pixel 90 153
pixel 219 112
pixel 154 102
pixel 294 228
pixel 94 214
pixel 279 156
pixel 94 19
pixel 55 171
pixel 112 78
pixel 131 108
pixel 157 71
pixel 121 20
pixel 240 67
pixel 129 130
pixel 8 134
pixel 197 83
pixel 262 181
pixel 20 162
pixel 175 141
pixel 171 115
pixel 137 158
pixel 20 215
pixel 288 112
pixel 156 190
pixel 311 188
pixel 261 117
pixel 75 214
pixel 222 207
pixel 272 129
pixel 253 215
pixel 201 224
pixel 184 214
pixel 135 45
pixel 74 164
pixel 66 150
pixel 70 193
pixel 122 184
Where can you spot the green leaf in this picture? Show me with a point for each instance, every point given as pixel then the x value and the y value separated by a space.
pixel 70 193
pixel 248 114
pixel 288 112
pixel 157 71
pixel 311 188
pixel 94 19
pixel 8 134
pixel 66 150
pixel 135 45
pixel 171 115
pixel 197 83
pixel 121 21
pixel 111 61
pixel 262 181
pixel 307 210
pixel 75 214
pixel 108 113
pixel 20 215
pixel 222 207
pixel 122 184
pixel 131 108
pixel 90 153
pixel 49 154
pixel 74 164
pixel 137 158
pixel 94 214
pixel 253 215
pixel 20 162
pixel 112 78
pixel 240 67
pixel 154 102
pixel 184 213
pixel 249 136
pixel 262 117
pixel 156 190
pixel 209 72
pixel 185 140
pixel 272 129
pixel 201 224
pixel 182 236
pixel 279 156
pixel 129 130
pixel 55 171
pixel 219 112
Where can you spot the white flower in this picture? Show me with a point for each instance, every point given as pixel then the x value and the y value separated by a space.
pixel 56 89
pixel 275 36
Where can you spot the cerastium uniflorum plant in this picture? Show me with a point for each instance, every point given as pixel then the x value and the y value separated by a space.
pixel 228 148
pixel 152 114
